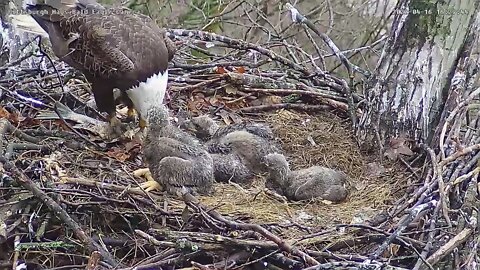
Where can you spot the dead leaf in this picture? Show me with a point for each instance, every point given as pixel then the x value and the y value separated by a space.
pixel 61 125
pixel 225 115
pixel 4 113
pixel 236 104
pixel 14 117
pixel 391 251
pixel 213 101
pixel 27 121
pixel 198 95
pixel 216 101
pixel 398 141
pixel 220 70
pixel 397 146
pixel 118 154
pixel 269 100
pixel 135 143
pixel 196 103
pixel 240 70
pixel 17 118
pixel 191 106
pixel 266 100
pixel 229 89
pixel 93 261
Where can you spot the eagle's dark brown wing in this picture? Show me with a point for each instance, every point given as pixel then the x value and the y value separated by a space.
pixel 101 47
pixel 113 43
pixel 114 48
pixel 171 47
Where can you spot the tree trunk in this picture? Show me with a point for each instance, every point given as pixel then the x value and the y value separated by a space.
pixel 412 80
pixel 17 33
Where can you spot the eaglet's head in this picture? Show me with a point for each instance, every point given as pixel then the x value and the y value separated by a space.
pixel 203 126
pixel 158 116
pixel 276 162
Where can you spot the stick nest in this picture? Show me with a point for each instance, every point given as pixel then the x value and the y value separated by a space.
pixel 66 196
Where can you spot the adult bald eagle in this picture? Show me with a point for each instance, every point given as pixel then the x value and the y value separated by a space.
pixel 114 48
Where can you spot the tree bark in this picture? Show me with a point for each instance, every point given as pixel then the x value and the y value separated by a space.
pixel 412 80
pixel 3 10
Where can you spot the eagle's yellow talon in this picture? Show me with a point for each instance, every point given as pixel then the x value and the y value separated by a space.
pixel 131 113
pixel 142 123
pixel 151 184
pixel 144 172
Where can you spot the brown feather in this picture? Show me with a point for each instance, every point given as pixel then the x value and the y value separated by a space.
pixel 119 46
pixel 113 47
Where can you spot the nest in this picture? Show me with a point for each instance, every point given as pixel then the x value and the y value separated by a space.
pixel 84 206
pixel 67 197
pixel 308 140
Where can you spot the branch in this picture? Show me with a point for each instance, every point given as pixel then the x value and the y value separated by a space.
pixel 59 212
pixel 402 226
pixel 299 18
pixel 240 44
pixel 193 202
pixel 454 243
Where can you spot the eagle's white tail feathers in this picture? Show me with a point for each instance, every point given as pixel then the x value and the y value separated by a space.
pixel 149 93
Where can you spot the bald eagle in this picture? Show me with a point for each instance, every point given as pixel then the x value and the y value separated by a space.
pixel 113 48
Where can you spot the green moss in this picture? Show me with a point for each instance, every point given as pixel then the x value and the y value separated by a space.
pixel 425 22
pixel 137 5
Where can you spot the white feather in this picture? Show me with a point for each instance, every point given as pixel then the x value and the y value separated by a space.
pixel 149 93
pixel 21 266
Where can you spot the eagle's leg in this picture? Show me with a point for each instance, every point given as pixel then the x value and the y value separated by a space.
pixel 141 133
pixel 151 184
pixel 131 113
pixel 103 94
pixel 142 123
